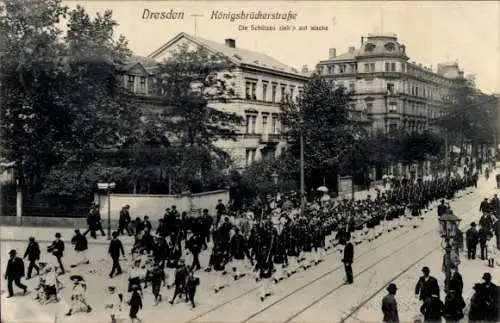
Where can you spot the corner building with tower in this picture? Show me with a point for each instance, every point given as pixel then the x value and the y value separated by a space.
pixel 391 91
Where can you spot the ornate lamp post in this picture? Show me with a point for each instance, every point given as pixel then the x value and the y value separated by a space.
pixel 449 226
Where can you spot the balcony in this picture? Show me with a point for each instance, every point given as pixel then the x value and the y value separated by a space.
pixel 269 139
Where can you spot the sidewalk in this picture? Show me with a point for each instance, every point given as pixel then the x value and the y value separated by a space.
pixel 46 235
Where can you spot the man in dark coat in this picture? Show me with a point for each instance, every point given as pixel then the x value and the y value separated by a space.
pixel 483 237
pixel 390 306
pixel 81 245
pixel 472 239
pixel 432 309
pixel 14 273
pixel 490 298
pixel 484 207
pixel 115 248
pixel 456 282
pixel 57 249
pixel 124 220
pixel 348 260
pixel 426 285
pixel 33 254
pixel 194 245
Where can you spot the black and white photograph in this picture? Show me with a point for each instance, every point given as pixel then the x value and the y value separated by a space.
pixel 249 162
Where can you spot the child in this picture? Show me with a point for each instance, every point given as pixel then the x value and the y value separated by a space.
pixel 113 303
pixel 191 284
pixel 135 276
pixel 50 284
pixel 135 303
pixel 491 249
pixel 78 295
pixel 172 264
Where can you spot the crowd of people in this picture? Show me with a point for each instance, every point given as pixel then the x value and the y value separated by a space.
pixel 485 302
pixel 269 241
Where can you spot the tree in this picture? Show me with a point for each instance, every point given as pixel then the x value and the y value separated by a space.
pixel 470 116
pixel 191 82
pixel 321 114
pixel 417 147
pixel 34 117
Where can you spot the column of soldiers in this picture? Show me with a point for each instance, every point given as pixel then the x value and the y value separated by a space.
pixel 267 244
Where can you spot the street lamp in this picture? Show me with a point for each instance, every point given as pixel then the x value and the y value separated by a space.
pixel 449 225
pixel 107 187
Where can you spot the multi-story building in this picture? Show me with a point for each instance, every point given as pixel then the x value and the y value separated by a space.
pixel 259 83
pixel 392 91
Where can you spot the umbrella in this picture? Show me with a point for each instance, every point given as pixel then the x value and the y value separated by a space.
pixel 323 189
pixel 76 277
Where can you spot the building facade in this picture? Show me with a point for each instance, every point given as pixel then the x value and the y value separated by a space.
pixel 393 92
pixel 259 84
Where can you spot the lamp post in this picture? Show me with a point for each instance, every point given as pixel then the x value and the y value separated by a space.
pixel 449 226
pixel 107 187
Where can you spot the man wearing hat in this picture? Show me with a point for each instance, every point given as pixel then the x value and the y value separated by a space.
pixel 14 272
pixel 390 306
pixel 472 239
pixel 426 285
pixel 181 275
pixel 450 259
pixel 57 249
pixel 33 254
pixel 490 296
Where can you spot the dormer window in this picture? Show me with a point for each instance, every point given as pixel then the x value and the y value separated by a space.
pixel 390 46
pixel 369 47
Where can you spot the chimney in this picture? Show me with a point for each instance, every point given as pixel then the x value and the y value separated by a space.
pixel 305 69
pixel 230 42
pixel 332 53
pixel 362 40
pixel 352 49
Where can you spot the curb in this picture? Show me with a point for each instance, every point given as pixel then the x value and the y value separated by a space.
pixel 3 240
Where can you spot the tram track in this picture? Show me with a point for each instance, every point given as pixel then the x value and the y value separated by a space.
pixel 370 251
pixel 367 299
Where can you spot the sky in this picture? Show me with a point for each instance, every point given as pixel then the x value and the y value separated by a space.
pixel 433 31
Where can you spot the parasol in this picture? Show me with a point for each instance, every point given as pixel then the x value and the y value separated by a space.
pixel 77 278
pixel 323 189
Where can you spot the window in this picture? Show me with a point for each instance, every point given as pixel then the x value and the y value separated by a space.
pixel 264 91
pixel 341 69
pixel 372 67
pixel 352 86
pixel 393 127
pixel 248 90
pixel 403 67
pixel 254 91
pixel 367 67
pixel 387 67
pixel 273 99
pixel 142 85
pixel 369 107
pixel 274 125
pixel 264 124
pixel 292 90
pixel 250 156
pixel 283 90
pixel 393 107
pixel 247 124
pixel 416 91
pixel 390 88
pixel 253 122
pixel 131 81
pixel 393 67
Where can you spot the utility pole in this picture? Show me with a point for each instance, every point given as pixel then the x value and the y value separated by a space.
pixel 196 16
pixel 446 153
